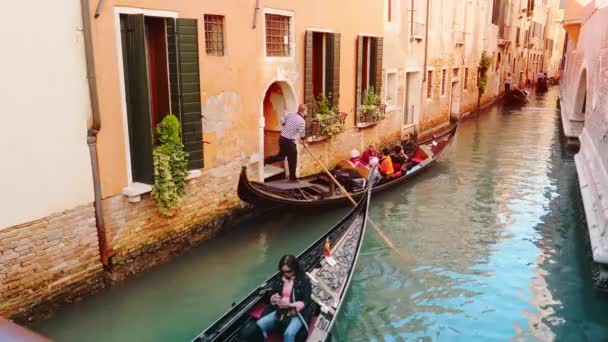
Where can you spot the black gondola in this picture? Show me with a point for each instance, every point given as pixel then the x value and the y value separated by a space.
pixel 319 190
pixel 330 279
pixel 542 86
pixel 516 97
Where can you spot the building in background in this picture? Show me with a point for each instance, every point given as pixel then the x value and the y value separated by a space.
pixel 584 110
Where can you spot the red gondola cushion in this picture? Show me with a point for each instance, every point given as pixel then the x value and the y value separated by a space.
pixel 257 310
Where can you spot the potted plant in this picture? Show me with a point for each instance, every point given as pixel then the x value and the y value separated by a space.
pixel 371 110
pixel 326 121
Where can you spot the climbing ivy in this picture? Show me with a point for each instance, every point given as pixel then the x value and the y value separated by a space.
pixel 482 77
pixel 170 166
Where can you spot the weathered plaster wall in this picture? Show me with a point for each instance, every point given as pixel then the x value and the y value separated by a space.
pixel 43 138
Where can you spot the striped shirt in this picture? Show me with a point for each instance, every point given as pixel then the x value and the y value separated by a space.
pixel 293 126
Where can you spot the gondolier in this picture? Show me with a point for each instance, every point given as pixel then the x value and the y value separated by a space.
pixel 293 128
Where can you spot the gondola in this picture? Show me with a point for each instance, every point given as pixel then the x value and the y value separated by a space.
pixel 319 190
pixel 330 278
pixel 516 97
pixel 542 86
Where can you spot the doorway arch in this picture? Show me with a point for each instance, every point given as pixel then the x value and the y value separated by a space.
pixel 279 99
pixel 581 101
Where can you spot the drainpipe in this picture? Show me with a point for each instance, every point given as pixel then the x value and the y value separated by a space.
pixel 255 13
pixel 426 53
pixel 94 129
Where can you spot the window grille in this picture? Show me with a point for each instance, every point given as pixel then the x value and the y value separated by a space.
pixel 214 35
pixel 277 36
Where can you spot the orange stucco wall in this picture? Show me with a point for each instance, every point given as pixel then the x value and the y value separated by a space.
pixel 232 86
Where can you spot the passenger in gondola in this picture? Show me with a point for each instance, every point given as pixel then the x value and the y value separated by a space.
pixel 290 305
pixel 386 164
pixel 369 153
pixel 409 147
pixel 399 158
pixel 355 158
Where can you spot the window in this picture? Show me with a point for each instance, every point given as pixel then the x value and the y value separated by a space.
pixel 443 79
pixel 214 35
pixel 429 84
pixel 161 73
pixel 390 9
pixel 278 42
pixel 466 79
pixel 321 70
pixel 391 89
pixel 369 67
pixel 517 36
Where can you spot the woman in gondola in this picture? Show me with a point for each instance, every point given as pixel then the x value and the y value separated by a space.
pixel 290 304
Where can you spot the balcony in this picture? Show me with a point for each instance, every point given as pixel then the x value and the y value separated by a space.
pixel 327 127
pixel 369 116
pixel 417 31
pixel 459 37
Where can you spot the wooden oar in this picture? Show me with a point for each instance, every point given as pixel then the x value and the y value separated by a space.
pixel 376 228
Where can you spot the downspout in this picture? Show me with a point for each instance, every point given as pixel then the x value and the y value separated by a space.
pixel 426 53
pixel 94 129
pixel 255 13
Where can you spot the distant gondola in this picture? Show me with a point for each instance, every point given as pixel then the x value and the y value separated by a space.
pixel 319 190
pixel 330 279
pixel 516 97
pixel 542 86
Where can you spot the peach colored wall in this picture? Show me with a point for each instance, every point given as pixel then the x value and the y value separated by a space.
pixel 232 86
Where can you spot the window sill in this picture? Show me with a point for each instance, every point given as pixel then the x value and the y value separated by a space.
pixel 363 125
pixel 317 139
pixel 135 190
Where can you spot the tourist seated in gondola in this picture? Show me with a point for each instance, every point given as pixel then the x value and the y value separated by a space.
pixel 386 164
pixel 355 158
pixel 409 146
pixel 290 308
pixel 399 158
pixel 369 153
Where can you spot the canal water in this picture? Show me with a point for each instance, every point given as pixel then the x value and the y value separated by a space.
pixel 494 236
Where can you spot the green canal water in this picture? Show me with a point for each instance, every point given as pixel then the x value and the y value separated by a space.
pixel 495 235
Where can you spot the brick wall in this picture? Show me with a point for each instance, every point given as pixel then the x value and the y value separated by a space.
pixel 137 228
pixel 49 259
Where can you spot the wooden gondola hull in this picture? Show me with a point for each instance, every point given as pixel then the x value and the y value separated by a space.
pixel 330 282
pixel 259 195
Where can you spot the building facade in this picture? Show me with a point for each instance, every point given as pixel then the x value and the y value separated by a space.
pixel 48 237
pixel 585 111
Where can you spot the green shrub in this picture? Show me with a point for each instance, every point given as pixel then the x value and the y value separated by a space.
pixel 170 166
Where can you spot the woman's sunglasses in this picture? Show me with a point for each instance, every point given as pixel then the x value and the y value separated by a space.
pixel 286 272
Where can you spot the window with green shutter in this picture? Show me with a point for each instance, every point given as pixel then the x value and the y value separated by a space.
pixel 161 72
pixel 321 70
pixel 370 51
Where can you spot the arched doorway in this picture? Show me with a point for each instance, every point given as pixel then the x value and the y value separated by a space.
pixel 279 99
pixel 580 104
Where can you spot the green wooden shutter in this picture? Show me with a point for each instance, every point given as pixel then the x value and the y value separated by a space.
pixel 141 137
pixel 174 83
pixel 185 87
pixel 332 77
pixel 358 95
pixel 376 65
pixel 308 91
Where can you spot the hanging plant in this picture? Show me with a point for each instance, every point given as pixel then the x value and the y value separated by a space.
pixel 170 166
pixel 328 122
pixel 370 108
pixel 482 79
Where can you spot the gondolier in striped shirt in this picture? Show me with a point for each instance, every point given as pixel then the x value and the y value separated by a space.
pixel 293 128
